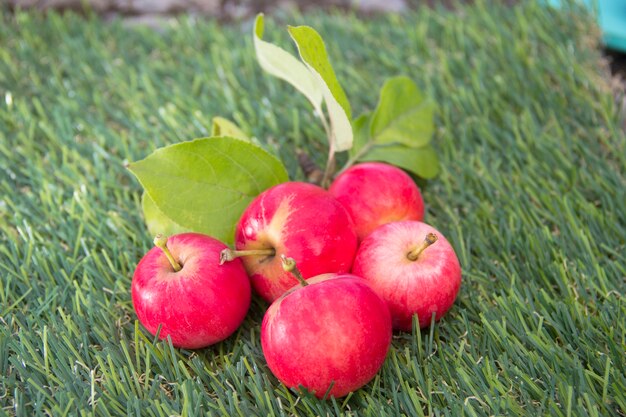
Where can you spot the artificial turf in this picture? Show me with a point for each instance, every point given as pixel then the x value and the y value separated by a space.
pixel 531 194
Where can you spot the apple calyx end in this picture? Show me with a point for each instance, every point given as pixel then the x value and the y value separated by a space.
pixel 160 241
pixel 415 253
pixel 289 265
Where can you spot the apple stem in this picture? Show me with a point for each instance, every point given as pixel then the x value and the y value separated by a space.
pixel 161 242
pixel 228 254
pixel 415 253
pixel 289 265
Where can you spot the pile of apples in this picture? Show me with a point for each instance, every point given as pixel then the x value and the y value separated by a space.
pixel 341 268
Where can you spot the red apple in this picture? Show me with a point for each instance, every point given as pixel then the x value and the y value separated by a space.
pixel 413 268
pixel 181 286
pixel 330 336
pixel 299 220
pixel 375 193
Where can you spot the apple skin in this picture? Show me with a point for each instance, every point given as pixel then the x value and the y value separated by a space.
pixel 375 193
pixel 199 305
pixel 427 285
pixel 301 221
pixel 335 330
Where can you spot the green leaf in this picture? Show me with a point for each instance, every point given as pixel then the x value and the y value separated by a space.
pixel 156 221
pixel 421 161
pixel 285 66
pixel 205 185
pixel 403 115
pixel 313 52
pixel 361 129
pixel 224 127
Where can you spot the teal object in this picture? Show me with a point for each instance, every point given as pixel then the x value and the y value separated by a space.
pixel 612 21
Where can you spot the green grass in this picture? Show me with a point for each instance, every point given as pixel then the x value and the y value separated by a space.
pixel 531 195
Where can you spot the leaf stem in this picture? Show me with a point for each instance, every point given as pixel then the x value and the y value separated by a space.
pixel 161 242
pixel 228 254
pixel 415 253
pixel 289 265
pixel 365 149
pixel 330 167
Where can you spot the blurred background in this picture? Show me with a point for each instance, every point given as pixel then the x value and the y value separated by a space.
pixel 155 10
pixel 159 13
